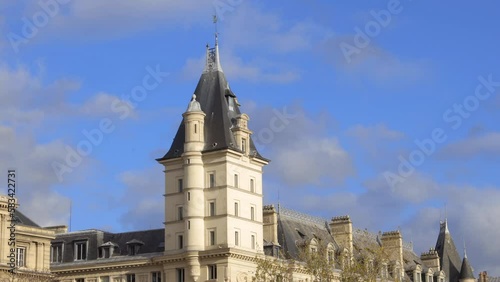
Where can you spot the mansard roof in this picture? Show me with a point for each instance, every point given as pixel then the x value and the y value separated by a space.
pixel 221 108
pixel 295 228
pixel 153 242
pixel 449 258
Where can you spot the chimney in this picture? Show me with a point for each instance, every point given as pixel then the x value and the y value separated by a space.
pixel 483 276
pixel 341 229
pixel 270 218
pixel 392 241
pixel 431 259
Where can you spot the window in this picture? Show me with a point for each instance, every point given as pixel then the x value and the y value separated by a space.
pixel 180 213
pixel 252 213
pixel 80 280
pixel 131 277
pixel 236 181
pixel 104 279
pixel 244 145
pixel 211 237
pixel 105 252
pixel 156 277
pixel 252 242
pixel 236 238
pixel 189 196
pixel 189 224
pixel 56 253
pixel 195 128
pixel 212 271
pixel 21 257
pixel 180 274
pixel 180 241
pixel 133 247
pixel 236 209
pixel 80 250
pixel 180 185
pixel 252 185
pixel 211 209
pixel 211 179
pixel 330 256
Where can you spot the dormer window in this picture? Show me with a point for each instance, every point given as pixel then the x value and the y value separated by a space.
pixel 80 250
pixel 56 253
pixel 107 249
pixel 133 247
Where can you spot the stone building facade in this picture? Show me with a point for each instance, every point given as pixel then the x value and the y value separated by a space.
pixel 24 246
pixel 216 227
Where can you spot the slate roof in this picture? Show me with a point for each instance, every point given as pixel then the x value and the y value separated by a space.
pixel 295 227
pixel 449 258
pixel 24 220
pixel 221 107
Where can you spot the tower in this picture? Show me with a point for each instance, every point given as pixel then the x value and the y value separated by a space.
pixel 213 184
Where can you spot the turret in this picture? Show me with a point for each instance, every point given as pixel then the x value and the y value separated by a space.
pixel 194 176
pixel 466 273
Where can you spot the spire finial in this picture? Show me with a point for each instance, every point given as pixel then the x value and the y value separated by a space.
pixel 465 250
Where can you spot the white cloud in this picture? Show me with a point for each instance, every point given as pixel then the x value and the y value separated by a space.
pixel 416 188
pixel 104 18
pixel 263 28
pixel 101 105
pixel 372 62
pixel 313 161
pixel 485 145
pixel 143 197
pixel 301 151
pixel 35 177
pixel 374 133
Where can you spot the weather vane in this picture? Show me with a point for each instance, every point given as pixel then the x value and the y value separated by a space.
pixel 215 25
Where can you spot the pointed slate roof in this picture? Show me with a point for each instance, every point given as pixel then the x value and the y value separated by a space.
pixel 466 270
pixel 221 107
pixel 449 258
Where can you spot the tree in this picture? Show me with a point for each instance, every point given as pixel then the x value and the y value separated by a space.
pixel 318 259
pixel 271 269
pixel 369 265
pixel 325 264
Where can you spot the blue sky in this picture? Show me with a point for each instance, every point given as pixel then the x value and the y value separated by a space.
pixel 357 86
